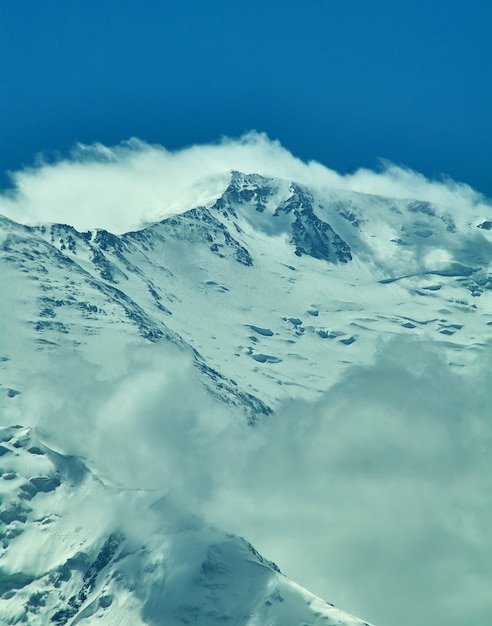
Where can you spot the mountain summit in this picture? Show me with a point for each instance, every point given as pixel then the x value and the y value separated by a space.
pixel 252 286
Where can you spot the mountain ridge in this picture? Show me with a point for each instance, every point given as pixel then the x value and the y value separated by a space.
pixel 142 273
pixel 88 572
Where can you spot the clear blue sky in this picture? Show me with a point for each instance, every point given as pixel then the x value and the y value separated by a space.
pixel 340 81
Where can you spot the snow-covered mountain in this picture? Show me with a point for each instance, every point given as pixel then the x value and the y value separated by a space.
pixel 273 290
pixel 67 559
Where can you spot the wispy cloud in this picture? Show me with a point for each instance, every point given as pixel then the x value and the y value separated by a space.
pixel 121 187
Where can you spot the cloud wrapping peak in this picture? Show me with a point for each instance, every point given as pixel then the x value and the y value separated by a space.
pixel 379 487
pixel 120 188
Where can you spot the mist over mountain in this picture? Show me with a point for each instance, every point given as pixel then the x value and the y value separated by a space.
pixel 198 349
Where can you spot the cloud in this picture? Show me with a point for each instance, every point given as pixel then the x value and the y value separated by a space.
pixel 375 497
pixel 120 188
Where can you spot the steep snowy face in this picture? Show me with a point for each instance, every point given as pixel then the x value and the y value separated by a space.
pixel 273 288
pixel 77 550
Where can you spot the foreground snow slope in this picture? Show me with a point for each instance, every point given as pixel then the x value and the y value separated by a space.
pixel 77 550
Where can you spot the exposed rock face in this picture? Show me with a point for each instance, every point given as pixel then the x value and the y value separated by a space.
pixel 310 234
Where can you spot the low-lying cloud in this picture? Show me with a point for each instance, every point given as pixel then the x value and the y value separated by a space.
pixel 122 187
pixel 376 497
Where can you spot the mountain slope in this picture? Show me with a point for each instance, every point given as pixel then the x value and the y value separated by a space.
pixel 78 550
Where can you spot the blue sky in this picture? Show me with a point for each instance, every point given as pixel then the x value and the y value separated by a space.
pixel 342 82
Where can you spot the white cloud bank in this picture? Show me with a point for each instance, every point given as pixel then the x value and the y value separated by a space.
pixel 121 187
pixel 376 497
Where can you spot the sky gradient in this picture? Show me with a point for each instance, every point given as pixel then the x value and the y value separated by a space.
pixel 344 83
